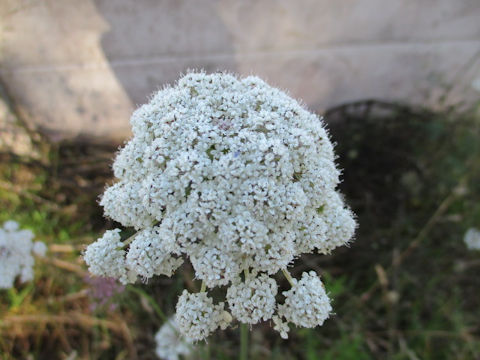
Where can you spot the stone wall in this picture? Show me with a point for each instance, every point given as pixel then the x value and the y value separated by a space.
pixel 78 68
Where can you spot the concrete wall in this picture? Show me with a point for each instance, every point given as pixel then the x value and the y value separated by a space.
pixel 79 67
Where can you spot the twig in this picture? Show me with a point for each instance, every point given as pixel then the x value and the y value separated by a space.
pixel 444 205
pixel 128 338
pixel 73 318
pixel 288 276
pixel 69 297
pixel 65 265
pixel 151 301
pixel 65 248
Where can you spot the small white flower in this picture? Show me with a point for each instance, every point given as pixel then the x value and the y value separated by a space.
pixel 10 226
pixel 170 343
pixel 253 300
pixel 280 326
pixel 306 303
pixel 39 248
pixel 150 254
pixel 122 202
pixel 472 239
pixel 16 250
pixel 197 317
pixel 276 254
pixel 215 267
pixel 106 257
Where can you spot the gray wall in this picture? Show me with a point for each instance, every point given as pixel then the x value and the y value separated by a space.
pixel 79 67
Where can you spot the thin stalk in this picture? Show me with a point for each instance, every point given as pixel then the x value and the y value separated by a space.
pixel 206 351
pixel 160 313
pixel 151 301
pixel 203 287
pixel 243 341
pixel 129 240
pixel 288 276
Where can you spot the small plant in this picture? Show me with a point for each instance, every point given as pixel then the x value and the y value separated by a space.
pixel 240 179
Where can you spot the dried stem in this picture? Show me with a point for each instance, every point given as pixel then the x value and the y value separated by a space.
pixel 288 276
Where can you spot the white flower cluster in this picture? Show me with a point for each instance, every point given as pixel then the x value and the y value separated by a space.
pixel 253 300
pixel 106 257
pixel 170 343
pixel 16 249
pixel 306 304
pixel 197 316
pixel 472 239
pixel 236 176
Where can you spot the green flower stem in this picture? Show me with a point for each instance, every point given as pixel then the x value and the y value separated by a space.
pixel 243 341
pixel 151 301
pixel 128 240
pixel 160 314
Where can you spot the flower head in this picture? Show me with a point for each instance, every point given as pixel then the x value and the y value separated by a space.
pixel 197 317
pixel 150 254
pixel 306 303
pixel 253 300
pixel 106 258
pixel 232 174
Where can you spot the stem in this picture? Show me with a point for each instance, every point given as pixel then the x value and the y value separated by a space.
pixel 151 301
pixel 62 264
pixel 243 342
pixel 128 240
pixel 203 287
pixel 288 276
pixel 160 314
pixel 206 351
